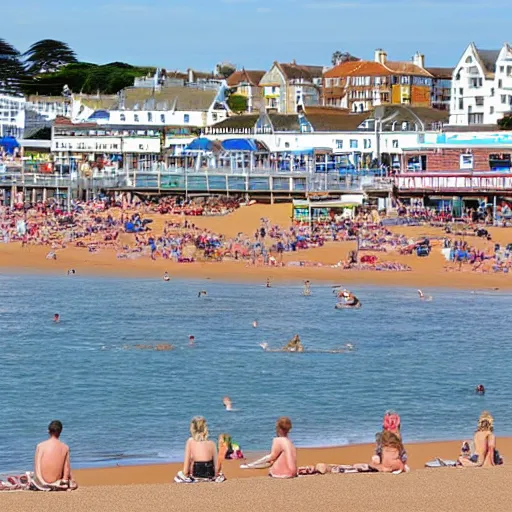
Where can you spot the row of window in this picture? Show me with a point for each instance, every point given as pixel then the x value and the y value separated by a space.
pixel 367 143
pixel 137 118
pixel 366 81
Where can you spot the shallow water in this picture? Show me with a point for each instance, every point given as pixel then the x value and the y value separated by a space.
pixel 421 358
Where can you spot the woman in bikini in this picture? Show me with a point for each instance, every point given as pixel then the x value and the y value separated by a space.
pixel 485 453
pixel 200 454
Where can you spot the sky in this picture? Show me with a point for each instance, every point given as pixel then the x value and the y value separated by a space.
pixel 182 34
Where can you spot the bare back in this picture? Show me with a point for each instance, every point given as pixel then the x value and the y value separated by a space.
pixel 284 457
pixel 199 451
pixel 485 443
pixel 52 461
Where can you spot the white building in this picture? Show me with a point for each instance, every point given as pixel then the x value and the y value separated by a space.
pixel 482 86
pixel 192 107
pixel 12 115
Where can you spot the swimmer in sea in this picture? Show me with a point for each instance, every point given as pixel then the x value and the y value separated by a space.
pixel 56 318
pixel 201 293
pixel 268 283
pixel 166 276
pixel 191 340
pixel 307 289
pixel 255 324
pixel 480 390
pixel 424 297
pixel 227 403
pixel 71 272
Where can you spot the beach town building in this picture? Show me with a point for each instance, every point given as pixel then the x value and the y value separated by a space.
pixel 175 107
pixel 481 86
pixel 289 87
pixel 109 148
pixel 360 86
pixel 12 115
pixel 246 83
pixel 352 137
pixel 441 90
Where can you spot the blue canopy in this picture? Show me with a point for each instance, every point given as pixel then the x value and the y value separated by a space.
pixel 200 144
pixel 101 115
pixel 239 145
pixel 9 143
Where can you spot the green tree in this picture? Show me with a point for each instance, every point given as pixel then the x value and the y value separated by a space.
pixel 340 57
pixel 505 123
pixel 237 103
pixel 225 69
pixel 48 56
pixel 12 72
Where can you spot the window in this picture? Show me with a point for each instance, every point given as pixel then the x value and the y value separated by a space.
pixel 466 161
pixel 509 70
pixel 186 118
pixel 469 59
pixel 122 117
pixel 492 91
pixel 491 110
pixel 461 104
pixel 502 69
pixel 339 144
pixel 162 118
pixel 353 144
pixel 500 83
pixel 214 116
pixel 510 100
pixel 479 101
pixel 461 91
pixel 503 98
pixel 394 143
pixel 136 118
pixel 475 119
pixel 367 143
pixel 150 117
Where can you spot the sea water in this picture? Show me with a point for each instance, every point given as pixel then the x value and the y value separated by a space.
pixel 422 359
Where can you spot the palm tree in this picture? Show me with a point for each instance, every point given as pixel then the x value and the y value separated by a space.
pixel 11 68
pixel 48 56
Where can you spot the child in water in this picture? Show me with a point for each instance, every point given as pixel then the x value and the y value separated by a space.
pixel 56 318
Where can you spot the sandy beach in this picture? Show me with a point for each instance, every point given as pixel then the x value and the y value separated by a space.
pixel 318 262
pixel 142 488
pixel 149 488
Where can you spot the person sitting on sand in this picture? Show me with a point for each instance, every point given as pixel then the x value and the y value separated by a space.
pixel 391 453
pixel 484 440
pixel 283 455
pixel 52 467
pixel 200 460
pixel 294 345
pixel 391 423
pixel 228 449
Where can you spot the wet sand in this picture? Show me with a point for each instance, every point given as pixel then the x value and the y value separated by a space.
pixel 149 488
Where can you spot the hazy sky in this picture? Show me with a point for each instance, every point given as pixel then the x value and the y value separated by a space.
pixel 178 34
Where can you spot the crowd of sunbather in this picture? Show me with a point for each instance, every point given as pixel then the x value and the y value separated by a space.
pixel 203 458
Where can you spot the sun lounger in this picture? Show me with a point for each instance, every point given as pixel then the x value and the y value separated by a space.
pixel 441 463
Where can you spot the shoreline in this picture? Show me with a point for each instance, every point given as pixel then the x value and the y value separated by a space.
pixel 31 261
pixel 163 472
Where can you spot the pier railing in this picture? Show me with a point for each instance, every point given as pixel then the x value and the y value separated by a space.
pixel 217 181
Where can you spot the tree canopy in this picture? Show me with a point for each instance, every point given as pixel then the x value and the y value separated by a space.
pixel 339 57
pixel 12 71
pixel 505 123
pixel 87 78
pixel 48 56
pixel 237 103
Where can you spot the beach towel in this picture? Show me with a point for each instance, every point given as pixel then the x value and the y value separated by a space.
pixel 15 483
pixel 321 469
pixel 181 478
pixel 36 484
pixel 441 463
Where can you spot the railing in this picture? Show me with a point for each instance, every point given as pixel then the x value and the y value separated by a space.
pixel 218 181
